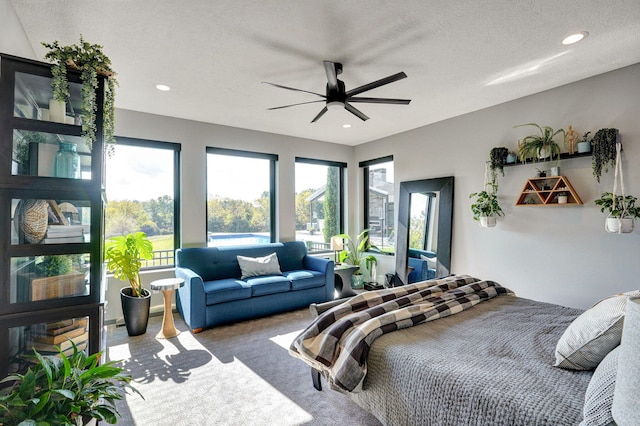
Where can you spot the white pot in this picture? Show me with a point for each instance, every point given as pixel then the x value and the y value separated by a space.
pixel 555 171
pixel 487 221
pixel 562 199
pixel 619 226
pixel 57 111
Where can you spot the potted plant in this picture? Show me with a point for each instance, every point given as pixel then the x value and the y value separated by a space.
pixel 354 254
pixel 621 210
pixel 512 157
pixel 486 208
pixel 498 158
pixel 562 197
pixel 539 146
pixel 603 145
pixel 64 390
pixel 585 144
pixel 91 61
pixel 124 255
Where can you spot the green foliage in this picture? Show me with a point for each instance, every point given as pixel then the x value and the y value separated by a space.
pixel 354 252
pixel 52 266
pixel 603 147
pixel 531 146
pixel 497 158
pixel 331 203
pixel 91 61
pixel 618 206
pixel 303 209
pixel 486 203
pixel 61 390
pixel 229 215
pixel 124 255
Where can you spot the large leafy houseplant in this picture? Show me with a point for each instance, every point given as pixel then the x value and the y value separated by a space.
pixel 542 145
pixel 618 206
pixel 64 390
pixel 91 61
pixel 124 255
pixel 354 252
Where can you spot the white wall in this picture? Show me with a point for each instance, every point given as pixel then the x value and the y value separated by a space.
pixel 556 254
pixel 13 40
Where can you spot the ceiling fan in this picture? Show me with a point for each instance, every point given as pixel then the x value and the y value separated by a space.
pixel 337 97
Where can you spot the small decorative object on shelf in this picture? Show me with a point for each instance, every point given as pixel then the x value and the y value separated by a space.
pixel 621 208
pixel 512 157
pixel 486 206
pixel 584 145
pixel 570 139
pixel 67 162
pixel 604 144
pixel 547 191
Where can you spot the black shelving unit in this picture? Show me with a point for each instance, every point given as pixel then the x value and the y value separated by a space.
pixel 51 218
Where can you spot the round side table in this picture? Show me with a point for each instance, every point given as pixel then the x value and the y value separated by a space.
pixel 167 286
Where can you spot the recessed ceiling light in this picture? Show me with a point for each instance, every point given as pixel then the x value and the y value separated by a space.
pixel 346 126
pixel 574 38
pixel 162 87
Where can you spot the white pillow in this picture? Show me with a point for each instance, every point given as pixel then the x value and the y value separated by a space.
pixel 598 398
pixel 259 266
pixel 592 335
pixel 432 262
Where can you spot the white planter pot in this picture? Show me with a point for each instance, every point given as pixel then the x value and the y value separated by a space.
pixel 619 226
pixel 487 221
pixel 57 111
pixel 562 199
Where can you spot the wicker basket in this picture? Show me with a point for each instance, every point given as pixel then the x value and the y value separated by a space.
pixel 31 220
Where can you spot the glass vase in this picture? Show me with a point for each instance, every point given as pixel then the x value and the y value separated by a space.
pixel 67 163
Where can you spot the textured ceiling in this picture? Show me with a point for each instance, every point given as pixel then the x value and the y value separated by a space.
pixel 460 56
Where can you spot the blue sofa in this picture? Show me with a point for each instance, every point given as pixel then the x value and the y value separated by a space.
pixel 421 270
pixel 213 292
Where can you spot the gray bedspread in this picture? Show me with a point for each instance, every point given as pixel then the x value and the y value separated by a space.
pixel 489 365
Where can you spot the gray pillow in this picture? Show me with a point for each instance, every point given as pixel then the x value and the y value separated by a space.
pixel 259 266
pixel 592 335
pixel 599 396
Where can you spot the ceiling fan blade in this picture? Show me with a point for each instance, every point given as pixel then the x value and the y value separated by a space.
pixel 380 101
pixel 355 112
pixel 294 89
pixel 320 114
pixel 376 83
pixel 301 103
pixel 332 76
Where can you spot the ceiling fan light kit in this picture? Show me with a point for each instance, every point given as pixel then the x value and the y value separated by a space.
pixel 337 97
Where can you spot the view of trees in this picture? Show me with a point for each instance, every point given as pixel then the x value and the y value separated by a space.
pixel 153 217
pixel 229 215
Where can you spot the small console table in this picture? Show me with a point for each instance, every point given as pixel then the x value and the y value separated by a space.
pixel 343 275
pixel 167 286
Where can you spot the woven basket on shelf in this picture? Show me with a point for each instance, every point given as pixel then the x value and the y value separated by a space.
pixel 31 219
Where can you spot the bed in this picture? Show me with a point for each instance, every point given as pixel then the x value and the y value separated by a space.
pixel 490 364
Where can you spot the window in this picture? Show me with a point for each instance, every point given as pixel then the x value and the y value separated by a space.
pixel 319 202
pixel 142 185
pixel 423 235
pixel 379 201
pixel 240 197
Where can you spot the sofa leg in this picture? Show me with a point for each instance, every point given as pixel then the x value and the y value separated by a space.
pixel 315 376
pixel 197 330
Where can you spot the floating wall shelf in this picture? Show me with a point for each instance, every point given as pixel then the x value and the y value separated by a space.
pixel 544 191
pixel 563 156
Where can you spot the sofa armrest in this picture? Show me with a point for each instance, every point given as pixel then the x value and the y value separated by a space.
pixel 420 270
pixel 190 298
pixel 325 266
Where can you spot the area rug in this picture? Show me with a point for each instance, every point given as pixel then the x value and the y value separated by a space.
pixel 239 374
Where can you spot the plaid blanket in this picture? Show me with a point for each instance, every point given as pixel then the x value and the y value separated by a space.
pixel 338 341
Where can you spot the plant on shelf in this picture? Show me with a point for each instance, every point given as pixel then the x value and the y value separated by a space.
pixel 91 61
pixel 498 158
pixel 64 390
pixel 603 145
pixel 486 207
pixel 539 146
pixel 124 255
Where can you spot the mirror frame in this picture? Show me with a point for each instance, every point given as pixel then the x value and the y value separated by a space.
pixel 444 186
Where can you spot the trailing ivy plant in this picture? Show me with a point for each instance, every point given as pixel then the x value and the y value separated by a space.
pixel 486 202
pixel 91 61
pixel 498 158
pixel 603 147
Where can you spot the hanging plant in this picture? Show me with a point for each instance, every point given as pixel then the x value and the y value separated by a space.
pixel 91 61
pixel 603 146
pixel 486 207
pixel 498 158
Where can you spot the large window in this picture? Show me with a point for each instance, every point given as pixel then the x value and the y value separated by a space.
pixel 379 202
pixel 240 197
pixel 142 186
pixel 319 202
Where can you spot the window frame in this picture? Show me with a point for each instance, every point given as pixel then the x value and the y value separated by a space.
pixel 177 153
pixel 273 160
pixel 365 165
pixel 342 167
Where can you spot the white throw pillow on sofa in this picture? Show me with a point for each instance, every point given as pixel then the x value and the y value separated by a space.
pixel 432 262
pixel 259 266
pixel 593 334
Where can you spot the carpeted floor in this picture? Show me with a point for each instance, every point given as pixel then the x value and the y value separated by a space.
pixel 239 374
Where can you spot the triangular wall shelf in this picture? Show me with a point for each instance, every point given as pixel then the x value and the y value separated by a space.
pixel 545 191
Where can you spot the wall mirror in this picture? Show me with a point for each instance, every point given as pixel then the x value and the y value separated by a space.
pixel 425 219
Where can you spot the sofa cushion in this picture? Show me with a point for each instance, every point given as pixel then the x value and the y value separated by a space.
pixel 303 279
pixel 220 291
pixel 259 266
pixel 268 285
